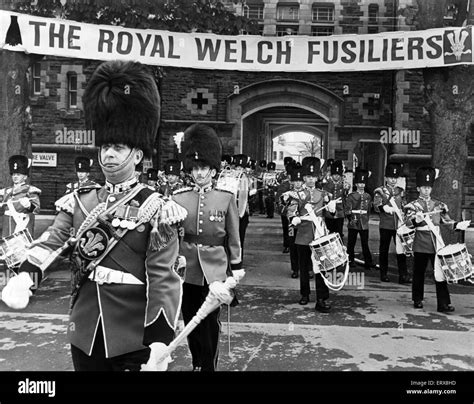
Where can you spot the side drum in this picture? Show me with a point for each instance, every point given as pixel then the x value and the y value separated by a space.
pixel 406 235
pixel 14 248
pixel 329 251
pixel 455 262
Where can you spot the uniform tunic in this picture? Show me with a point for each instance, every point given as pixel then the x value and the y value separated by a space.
pixel 28 214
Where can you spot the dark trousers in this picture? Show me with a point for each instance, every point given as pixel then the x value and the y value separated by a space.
pixel 335 225
pixel 293 251
pixel 270 205
pixel 364 241
pixel 420 261
pixel 243 223
pixel 98 362
pixel 285 224
pixel 386 236
pixel 203 341
pixel 261 205
pixel 306 265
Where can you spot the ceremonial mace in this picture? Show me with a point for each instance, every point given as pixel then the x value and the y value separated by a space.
pixel 215 298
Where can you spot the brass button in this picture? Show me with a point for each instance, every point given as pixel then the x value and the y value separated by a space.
pixel 200 221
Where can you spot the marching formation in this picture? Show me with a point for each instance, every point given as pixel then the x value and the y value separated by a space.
pixel 146 250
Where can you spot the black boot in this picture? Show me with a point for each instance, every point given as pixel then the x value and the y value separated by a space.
pixel 322 306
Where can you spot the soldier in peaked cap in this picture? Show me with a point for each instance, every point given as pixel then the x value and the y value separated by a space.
pixel 126 295
pixel 174 182
pixel 83 166
pixel 357 211
pixel 389 202
pixel 335 185
pixel 20 202
pixel 211 242
pixel 307 231
pixel 428 239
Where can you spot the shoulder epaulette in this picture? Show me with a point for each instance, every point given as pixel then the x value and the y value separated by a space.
pixel 66 203
pixel 34 190
pixel 181 190
pixel 87 188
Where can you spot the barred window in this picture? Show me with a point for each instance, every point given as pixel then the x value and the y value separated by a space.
pixel 323 13
pixel 282 30
pixel 36 82
pixel 253 11
pixel 321 31
pixel 72 90
pixel 373 26
pixel 274 156
pixel 288 12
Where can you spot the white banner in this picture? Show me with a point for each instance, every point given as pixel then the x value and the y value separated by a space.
pixel 337 53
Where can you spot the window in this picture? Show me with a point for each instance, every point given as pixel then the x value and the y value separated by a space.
pixel 373 26
pixel 274 156
pixel 253 11
pixel 322 19
pixel 288 12
pixel 322 31
pixel 281 155
pixel 323 13
pixel 36 84
pixel 282 30
pixel 72 90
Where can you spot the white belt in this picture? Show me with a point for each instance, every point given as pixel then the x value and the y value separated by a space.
pixel 103 275
pixel 362 212
pixel 422 228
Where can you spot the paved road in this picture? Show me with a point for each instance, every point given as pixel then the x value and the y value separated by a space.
pixel 372 327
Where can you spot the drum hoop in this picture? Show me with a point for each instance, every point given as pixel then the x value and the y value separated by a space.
pixel 330 237
pixel 455 253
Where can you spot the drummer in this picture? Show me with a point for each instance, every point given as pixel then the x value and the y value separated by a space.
pixel 389 201
pixel 357 211
pixel 425 244
pixel 26 203
pixel 307 231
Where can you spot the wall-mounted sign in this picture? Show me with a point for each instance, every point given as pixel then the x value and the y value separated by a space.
pixel 45 160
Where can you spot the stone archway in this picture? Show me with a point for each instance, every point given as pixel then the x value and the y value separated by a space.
pixel 261 107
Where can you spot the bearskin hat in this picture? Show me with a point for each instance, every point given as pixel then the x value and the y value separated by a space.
pixel 201 146
pixel 19 164
pixel 361 176
pixel 337 167
pixel 425 176
pixel 240 160
pixel 271 166
pixel 227 158
pixel 83 164
pixel 152 174
pixel 311 166
pixel 172 167
pixel 393 170
pixel 122 105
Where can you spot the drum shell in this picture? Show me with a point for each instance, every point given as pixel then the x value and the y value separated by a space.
pixel 329 251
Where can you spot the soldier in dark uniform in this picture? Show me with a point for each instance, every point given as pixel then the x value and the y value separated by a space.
pixel 126 295
pixel 253 183
pixel 334 184
pixel 83 166
pixel 261 170
pixel 173 177
pixel 296 182
pixel 389 202
pixel 425 244
pixel 283 181
pixel 269 190
pixel 307 231
pixel 357 211
pixel 19 203
pixel 152 177
pixel 210 244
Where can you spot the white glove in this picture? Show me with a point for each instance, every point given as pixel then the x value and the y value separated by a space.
pixel 331 207
pixel 220 291
pixel 388 209
pixel 25 202
pixel 419 217
pixel 463 225
pixel 285 197
pixel 16 294
pixel 252 192
pixel 295 221
pixel 154 364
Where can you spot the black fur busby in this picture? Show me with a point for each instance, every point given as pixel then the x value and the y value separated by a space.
pixel 122 105
pixel 262 163
pixel 425 176
pixel 173 167
pixel 287 160
pixel 393 170
pixel 361 176
pixel 83 164
pixel 240 160
pixel 311 166
pixel 19 164
pixel 337 167
pixel 296 174
pixel 252 164
pixel 227 158
pixel 271 166
pixel 201 146
pixel 152 174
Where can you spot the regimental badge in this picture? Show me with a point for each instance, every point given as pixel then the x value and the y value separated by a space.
pixel 93 243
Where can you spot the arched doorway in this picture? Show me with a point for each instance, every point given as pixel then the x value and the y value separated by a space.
pixel 262 110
